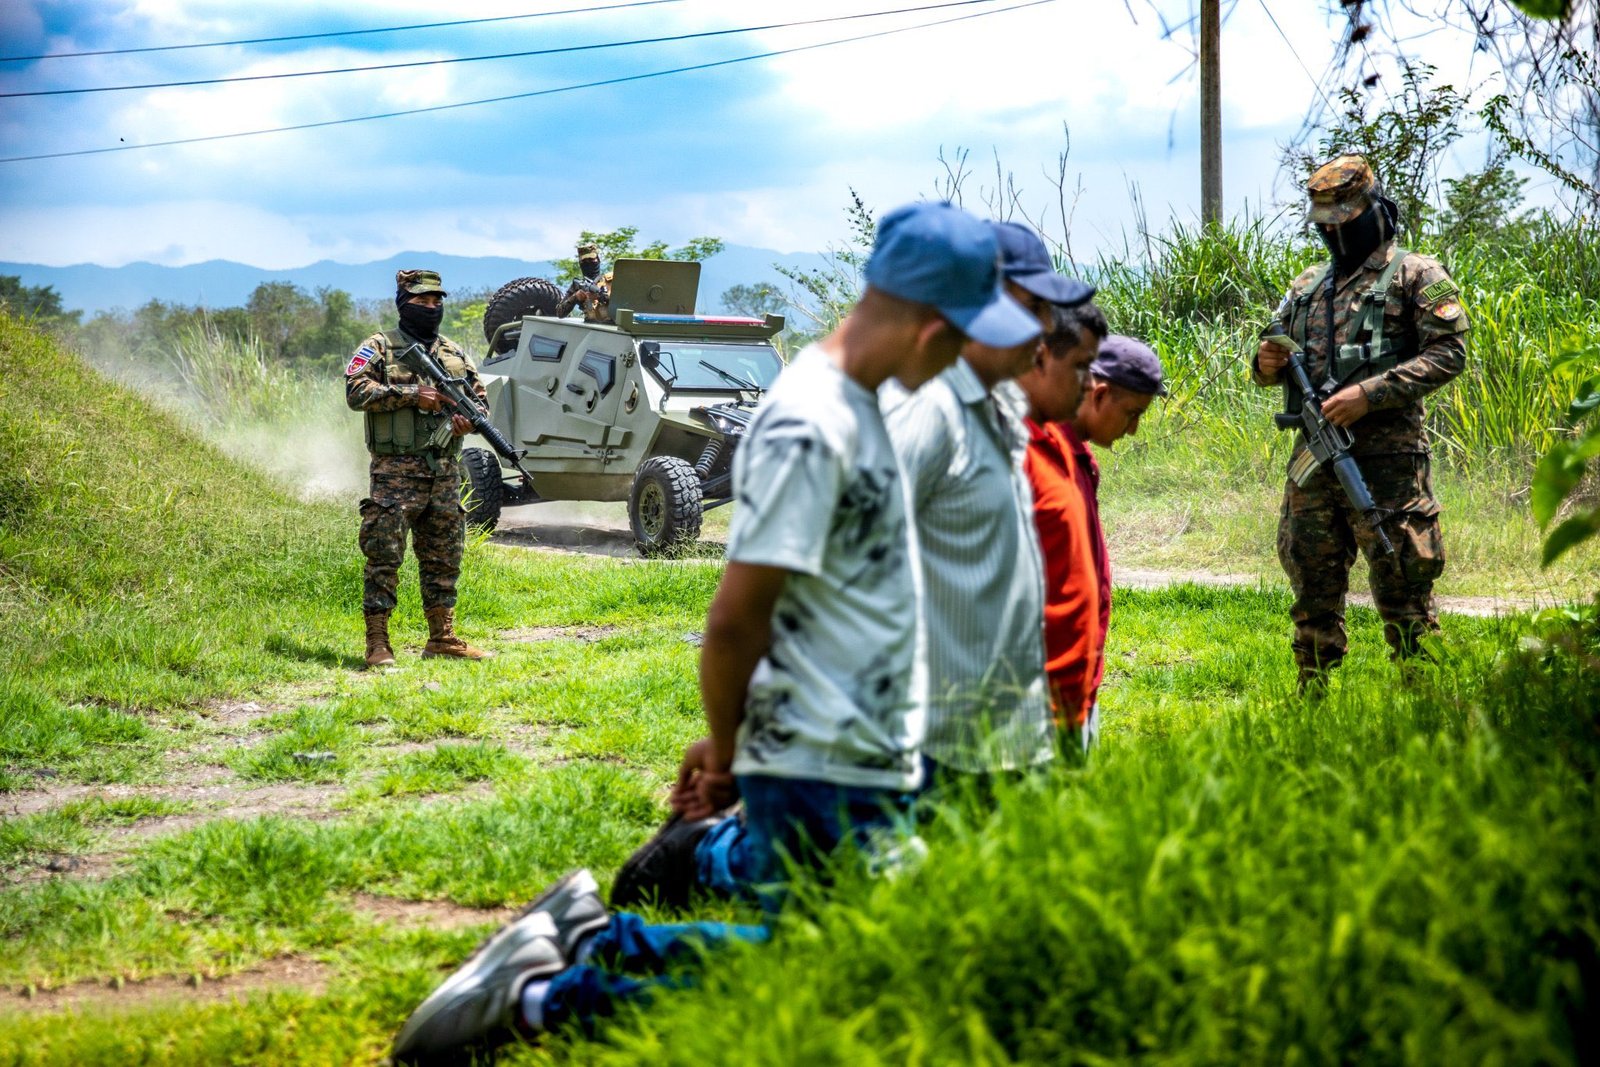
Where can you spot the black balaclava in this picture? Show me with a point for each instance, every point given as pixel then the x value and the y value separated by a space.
pixel 1351 243
pixel 419 320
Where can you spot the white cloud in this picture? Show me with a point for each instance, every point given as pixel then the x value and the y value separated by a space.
pixel 776 158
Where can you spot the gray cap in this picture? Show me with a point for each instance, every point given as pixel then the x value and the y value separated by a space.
pixel 1130 363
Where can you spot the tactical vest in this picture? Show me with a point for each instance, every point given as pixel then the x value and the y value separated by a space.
pixel 1366 351
pixel 410 431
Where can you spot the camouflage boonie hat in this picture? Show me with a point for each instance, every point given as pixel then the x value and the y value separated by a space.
pixel 417 282
pixel 1341 189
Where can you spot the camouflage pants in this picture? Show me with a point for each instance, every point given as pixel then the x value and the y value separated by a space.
pixel 406 495
pixel 1318 534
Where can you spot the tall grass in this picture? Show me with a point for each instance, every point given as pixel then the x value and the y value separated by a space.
pixel 232 382
pixel 120 521
pixel 1389 878
pixel 1201 295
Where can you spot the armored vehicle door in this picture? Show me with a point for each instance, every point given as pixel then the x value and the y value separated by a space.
pixel 553 421
pixel 594 379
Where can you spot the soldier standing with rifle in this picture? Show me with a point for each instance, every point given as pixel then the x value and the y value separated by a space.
pixel 590 290
pixel 416 474
pixel 1379 327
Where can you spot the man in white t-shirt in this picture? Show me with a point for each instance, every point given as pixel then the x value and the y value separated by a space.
pixel 812 667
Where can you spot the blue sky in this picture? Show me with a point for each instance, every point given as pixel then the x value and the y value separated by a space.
pixel 760 153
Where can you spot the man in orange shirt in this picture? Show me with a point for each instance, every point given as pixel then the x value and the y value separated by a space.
pixel 1051 392
pixel 1124 380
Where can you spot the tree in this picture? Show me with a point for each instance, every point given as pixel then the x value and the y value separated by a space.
pixel 40 304
pixel 619 244
pixel 753 300
pixel 1548 55
pixel 337 331
pixel 1483 206
pixel 1405 140
pixel 279 313
pixel 825 294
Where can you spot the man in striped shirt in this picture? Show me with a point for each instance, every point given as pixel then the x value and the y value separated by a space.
pixel 961 453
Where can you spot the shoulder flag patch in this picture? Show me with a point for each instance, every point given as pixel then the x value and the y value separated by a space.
pixel 363 356
pixel 1440 289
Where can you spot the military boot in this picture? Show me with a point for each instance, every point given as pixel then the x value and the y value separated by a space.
pixel 379 654
pixel 442 639
pixel 1313 684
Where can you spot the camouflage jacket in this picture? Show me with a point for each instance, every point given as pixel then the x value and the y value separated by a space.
pixel 1423 314
pixel 374 381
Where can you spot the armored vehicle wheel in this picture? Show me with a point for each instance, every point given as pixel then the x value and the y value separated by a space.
pixel 483 487
pixel 514 299
pixel 664 505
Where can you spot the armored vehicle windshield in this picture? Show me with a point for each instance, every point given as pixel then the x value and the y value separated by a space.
pixel 702 365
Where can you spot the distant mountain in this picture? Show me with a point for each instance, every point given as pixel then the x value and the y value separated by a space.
pixel 223 283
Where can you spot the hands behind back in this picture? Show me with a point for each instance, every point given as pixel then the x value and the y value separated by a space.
pixel 703 787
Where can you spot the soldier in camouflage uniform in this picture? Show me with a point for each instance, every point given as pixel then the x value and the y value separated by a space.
pixel 1391 323
pixel 416 474
pixel 592 292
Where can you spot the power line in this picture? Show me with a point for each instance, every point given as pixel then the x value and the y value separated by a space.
pixel 1314 83
pixel 335 33
pixel 501 55
pixel 528 95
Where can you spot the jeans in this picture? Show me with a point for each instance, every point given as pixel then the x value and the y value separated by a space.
pixel 722 859
pixel 799 821
pixel 804 821
pixel 626 960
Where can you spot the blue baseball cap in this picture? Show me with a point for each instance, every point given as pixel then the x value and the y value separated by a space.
pixel 1130 363
pixel 938 255
pixel 1025 260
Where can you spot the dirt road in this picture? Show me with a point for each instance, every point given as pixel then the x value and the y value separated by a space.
pixel 602 530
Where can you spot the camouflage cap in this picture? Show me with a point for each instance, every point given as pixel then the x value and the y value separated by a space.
pixel 416 282
pixel 1341 189
pixel 589 251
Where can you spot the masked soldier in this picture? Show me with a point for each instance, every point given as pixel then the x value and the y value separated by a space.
pixel 591 292
pixel 1381 328
pixel 415 441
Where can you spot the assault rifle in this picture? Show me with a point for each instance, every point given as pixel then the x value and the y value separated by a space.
pixel 597 292
pixel 420 362
pixel 1326 444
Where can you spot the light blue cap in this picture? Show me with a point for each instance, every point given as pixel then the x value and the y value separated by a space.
pixel 938 255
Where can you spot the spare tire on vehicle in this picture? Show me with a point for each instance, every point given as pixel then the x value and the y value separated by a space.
pixel 514 299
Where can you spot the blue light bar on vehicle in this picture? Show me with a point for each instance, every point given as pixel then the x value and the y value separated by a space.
pixel 711 320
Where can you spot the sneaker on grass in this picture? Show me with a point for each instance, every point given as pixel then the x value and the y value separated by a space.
pixel 574 904
pixel 476 1007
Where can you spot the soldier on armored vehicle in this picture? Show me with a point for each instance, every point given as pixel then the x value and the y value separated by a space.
pixel 589 291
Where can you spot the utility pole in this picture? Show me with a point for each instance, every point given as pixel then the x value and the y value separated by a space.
pixel 1211 111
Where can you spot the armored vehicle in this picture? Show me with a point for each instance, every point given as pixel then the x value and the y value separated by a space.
pixel 647 407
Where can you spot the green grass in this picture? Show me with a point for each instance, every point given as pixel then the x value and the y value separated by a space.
pixel 70 827
pixel 444 769
pixel 1233 876
pixel 1389 877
